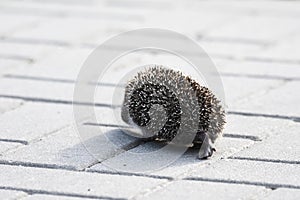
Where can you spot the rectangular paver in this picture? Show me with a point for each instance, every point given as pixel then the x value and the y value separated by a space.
pixel 252 173
pixel 65 148
pixel 283 146
pixel 204 190
pixel 11 194
pixel 88 184
pixel 184 164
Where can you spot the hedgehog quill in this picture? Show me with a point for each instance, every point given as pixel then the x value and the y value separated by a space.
pixel 151 92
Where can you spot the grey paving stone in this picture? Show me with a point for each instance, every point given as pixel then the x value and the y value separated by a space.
pixel 82 183
pixel 282 100
pixel 256 69
pixel 243 171
pixel 255 45
pixel 204 190
pixel 65 148
pixel 58 30
pixel 256 28
pixel 10 24
pixel 146 163
pixel 281 9
pixel 9 65
pixel 51 197
pixel 17 50
pixel 282 146
pixel 63 63
pixel 286 49
pixel 219 48
pixel 62 148
pixel 11 194
pixel 261 127
pixel 9 104
pixel 235 93
pixel 58 91
pixel 190 162
pixel 283 193
pixel 51 91
pixel 4 146
pixel 33 120
pixel 177 20
pixel 89 10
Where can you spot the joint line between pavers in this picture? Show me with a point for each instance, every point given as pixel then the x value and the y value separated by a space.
pixel 24 142
pixel 293 162
pixel 238 136
pixel 268 185
pixel 16 57
pixel 74 169
pixel 54 80
pixel 294 118
pixel 55 193
pixel 66 102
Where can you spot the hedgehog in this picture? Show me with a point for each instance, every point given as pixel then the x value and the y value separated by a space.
pixel 159 89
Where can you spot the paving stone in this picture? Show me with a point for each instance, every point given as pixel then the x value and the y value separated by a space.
pixel 132 4
pixel 62 30
pixel 283 193
pixel 101 185
pixel 52 197
pixel 11 194
pixel 283 146
pixel 9 65
pixel 276 9
pixel 66 148
pixel 62 148
pixel 260 127
pixel 256 69
pixel 90 11
pixel 9 104
pixel 64 91
pixel 177 21
pixel 4 146
pixel 256 29
pixel 246 129
pixel 205 190
pixel 282 100
pixel 236 94
pixel 286 49
pixel 221 49
pixel 44 44
pixel 51 91
pixel 34 120
pixel 58 62
pixel 63 63
pixel 11 24
pixel 25 52
pixel 254 172
pixel 147 163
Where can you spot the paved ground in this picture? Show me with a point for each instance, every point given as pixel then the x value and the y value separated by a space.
pixel 255 46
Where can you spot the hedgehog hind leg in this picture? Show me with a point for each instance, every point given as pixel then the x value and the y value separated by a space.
pixel 206 148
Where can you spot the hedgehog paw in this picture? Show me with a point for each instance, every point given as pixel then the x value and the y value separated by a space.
pixel 206 153
pixel 206 150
